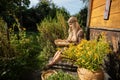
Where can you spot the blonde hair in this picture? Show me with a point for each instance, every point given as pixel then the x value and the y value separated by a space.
pixel 72 19
pixel 75 28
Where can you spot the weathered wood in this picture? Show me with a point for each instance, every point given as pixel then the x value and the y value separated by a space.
pixel 111 27
pixel 66 67
pixel 113 37
pixel 104 28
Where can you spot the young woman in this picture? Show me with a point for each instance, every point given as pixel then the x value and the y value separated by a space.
pixel 75 36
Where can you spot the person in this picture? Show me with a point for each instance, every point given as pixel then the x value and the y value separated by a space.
pixel 75 36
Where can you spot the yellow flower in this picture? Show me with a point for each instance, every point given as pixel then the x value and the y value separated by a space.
pixel 88 52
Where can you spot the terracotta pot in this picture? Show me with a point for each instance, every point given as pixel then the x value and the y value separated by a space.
pixel 85 74
pixel 47 73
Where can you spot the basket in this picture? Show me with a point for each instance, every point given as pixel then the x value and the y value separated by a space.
pixel 85 74
pixel 60 42
pixel 47 73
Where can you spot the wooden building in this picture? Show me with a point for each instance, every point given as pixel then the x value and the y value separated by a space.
pixel 104 16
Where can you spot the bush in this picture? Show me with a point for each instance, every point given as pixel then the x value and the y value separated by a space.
pixel 30 50
pixel 28 56
pixel 51 29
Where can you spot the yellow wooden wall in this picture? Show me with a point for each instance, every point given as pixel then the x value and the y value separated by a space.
pixel 97 14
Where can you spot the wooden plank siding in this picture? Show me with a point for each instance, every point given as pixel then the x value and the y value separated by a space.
pixel 113 22
pixel 97 14
pixel 97 3
pixel 111 27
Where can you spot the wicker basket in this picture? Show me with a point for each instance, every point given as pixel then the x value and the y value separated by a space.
pixel 85 74
pixel 47 73
pixel 60 42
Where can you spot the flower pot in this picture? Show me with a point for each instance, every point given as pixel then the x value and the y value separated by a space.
pixel 85 74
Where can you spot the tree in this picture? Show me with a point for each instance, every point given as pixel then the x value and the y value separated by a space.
pixel 82 17
pixel 34 15
pixel 85 2
pixel 10 8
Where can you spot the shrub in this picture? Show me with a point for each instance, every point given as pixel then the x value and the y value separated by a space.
pixel 51 29
pixel 28 56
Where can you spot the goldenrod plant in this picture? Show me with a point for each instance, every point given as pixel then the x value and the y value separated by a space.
pixel 89 54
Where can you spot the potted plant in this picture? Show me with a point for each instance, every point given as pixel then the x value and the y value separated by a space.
pixel 88 55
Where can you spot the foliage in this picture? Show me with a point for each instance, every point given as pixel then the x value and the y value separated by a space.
pixel 85 2
pixel 82 17
pixel 61 76
pixel 5 49
pixel 31 45
pixel 28 17
pixel 2 36
pixel 10 8
pixel 30 50
pixel 51 29
pixel 28 56
pixel 89 54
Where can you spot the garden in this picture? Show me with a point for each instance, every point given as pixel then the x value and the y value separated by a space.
pixel 27 43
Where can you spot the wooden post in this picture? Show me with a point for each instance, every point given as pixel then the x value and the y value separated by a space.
pixel 88 19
